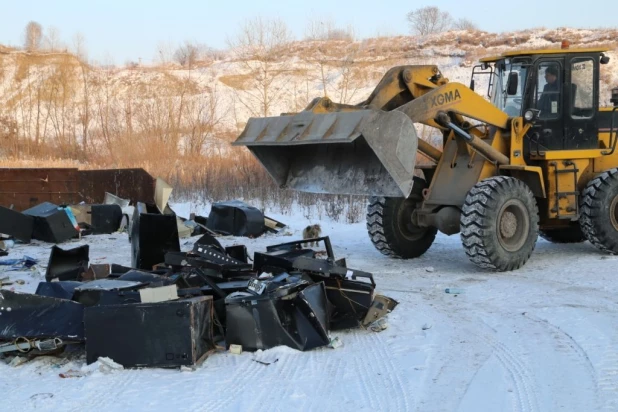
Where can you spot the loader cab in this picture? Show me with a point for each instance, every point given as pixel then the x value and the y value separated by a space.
pixel 560 88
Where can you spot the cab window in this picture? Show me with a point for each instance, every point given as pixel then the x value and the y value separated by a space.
pixel 549 90
pixel 582 88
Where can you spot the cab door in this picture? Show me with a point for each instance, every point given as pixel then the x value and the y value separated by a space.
pixel 548 97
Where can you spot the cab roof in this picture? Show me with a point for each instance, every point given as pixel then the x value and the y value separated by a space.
pixel 517 53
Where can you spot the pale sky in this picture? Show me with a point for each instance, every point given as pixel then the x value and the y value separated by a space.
pixel 130 29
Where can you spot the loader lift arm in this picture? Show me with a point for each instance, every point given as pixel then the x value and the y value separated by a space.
pixel 369 148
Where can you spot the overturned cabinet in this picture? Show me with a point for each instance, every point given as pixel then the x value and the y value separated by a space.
pixel 29 316
pixel 165 334
pixel 295 315
pixel 51 223
pixel 236 218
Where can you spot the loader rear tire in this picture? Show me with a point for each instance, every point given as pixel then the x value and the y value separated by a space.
pixel 499 223
pixel 599 211
pixel 571 234
pixel 390 226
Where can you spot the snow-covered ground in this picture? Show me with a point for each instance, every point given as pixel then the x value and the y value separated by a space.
pixel 543 338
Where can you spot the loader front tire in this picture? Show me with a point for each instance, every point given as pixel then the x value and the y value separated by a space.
pixel 599 211
pixel 499 223
pixel 391 229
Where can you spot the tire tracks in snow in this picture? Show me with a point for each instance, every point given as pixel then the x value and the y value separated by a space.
pixel 246 372
pixel 380 380
pixel 104 396
pixel 608 382
pixel 523 380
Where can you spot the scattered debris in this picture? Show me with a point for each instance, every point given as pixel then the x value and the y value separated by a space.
pixel 24 345
pixel 67 264
pixel 152 235
pixel 236 218
pixel 72 373
pixel 265 363
pixel 380 307
pixel 106 365
pixel 172 308
pixel 52 224
pixel 26 316
pixel 379 325
pixel 235 349
pixel 165 334
pixel 6 244
pixel 429 269
pixel 16 224
pixel 24 263
pixel 335 343
pixel 453 291
pixel 159 294
pixel 18 360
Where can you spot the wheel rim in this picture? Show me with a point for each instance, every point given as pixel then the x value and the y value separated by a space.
pixel 513 225
pixel 613 212
pixel 406 228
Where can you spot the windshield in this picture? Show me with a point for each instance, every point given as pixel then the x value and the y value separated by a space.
pixel 511 105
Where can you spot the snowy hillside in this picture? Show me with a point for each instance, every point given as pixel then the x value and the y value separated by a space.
pixel 55 96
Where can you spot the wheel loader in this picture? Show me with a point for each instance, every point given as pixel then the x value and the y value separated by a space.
pixel 533 155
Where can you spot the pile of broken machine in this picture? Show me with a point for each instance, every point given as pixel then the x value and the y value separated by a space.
pixel 172 308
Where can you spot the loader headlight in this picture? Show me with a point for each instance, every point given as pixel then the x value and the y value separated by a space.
pixel 529 115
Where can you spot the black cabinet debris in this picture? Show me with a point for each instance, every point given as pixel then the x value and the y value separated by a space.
pixel 351 297
pixel 16 224
pixel 236 218
pixel 152 235
pixel 67 264
pixel 51 224
pixel 60 289
pixel 165 334
pixel 29 316
pixel 208 295
pixel 295 315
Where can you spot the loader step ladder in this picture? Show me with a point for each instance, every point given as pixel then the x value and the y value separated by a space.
pixel 565 195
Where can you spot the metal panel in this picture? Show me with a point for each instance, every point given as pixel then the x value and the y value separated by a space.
pixel 24 188
pixel 136 185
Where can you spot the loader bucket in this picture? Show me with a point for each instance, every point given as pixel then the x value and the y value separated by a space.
pixel 364 152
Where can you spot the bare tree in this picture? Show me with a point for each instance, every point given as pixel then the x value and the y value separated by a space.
pixel 465 24
pixel 52 39
pixel 429 20
pixel 325 29
pixel 187 54
pixel 348 75
pixel 33 34
pixel 318 28
pixel 79 44
pixel 257 47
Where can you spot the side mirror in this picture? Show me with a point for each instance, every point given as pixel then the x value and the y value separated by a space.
pixel 512 83
pixel 604 59
pixel 472 84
